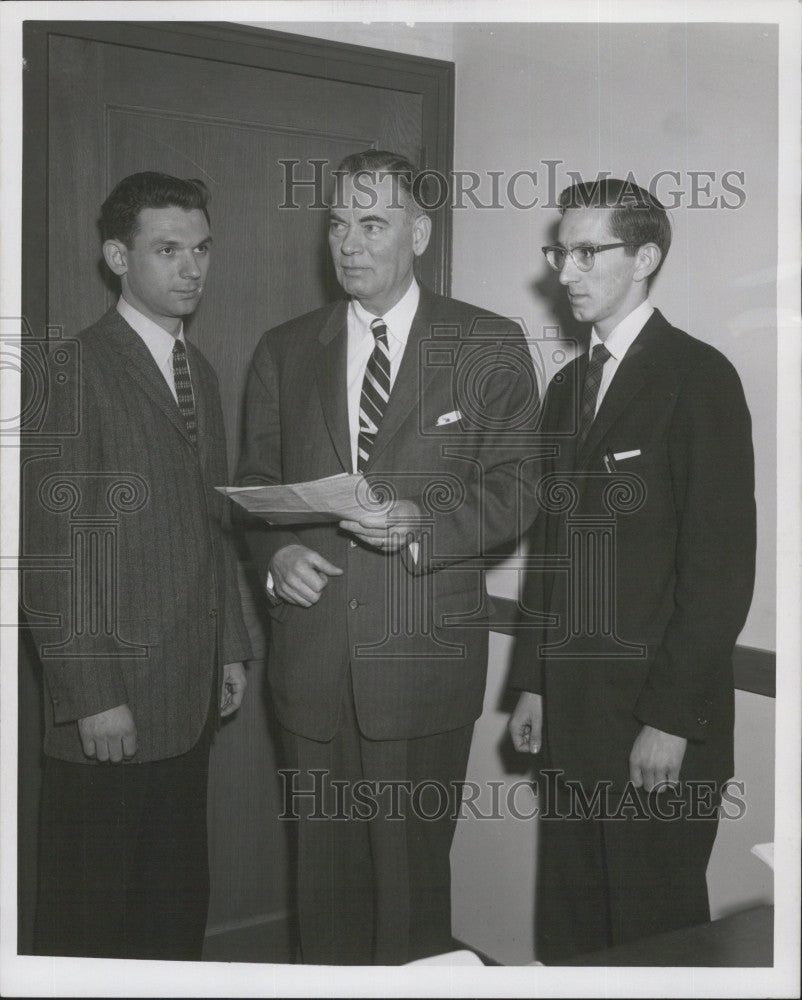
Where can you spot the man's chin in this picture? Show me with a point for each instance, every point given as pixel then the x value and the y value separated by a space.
pixel 353 284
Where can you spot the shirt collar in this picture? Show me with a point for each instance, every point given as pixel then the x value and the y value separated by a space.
pixel 158 341
pixel 623 336
pixel 398 319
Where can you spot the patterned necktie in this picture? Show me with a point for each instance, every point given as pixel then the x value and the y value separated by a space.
pixel 183 389
pixel 590 391
pixel 375 393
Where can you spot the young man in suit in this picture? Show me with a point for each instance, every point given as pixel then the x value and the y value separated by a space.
pixel 627 691
pixel 378 647
pixel 148 653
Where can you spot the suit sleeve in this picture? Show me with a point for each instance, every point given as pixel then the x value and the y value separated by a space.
pixel 235 644
pixel 81 677
pixel 712 470
pixel 498 394
pixel 261 461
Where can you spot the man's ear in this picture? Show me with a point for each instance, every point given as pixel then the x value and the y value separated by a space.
pixel 421 233
pixel 648 260
pixel 115 253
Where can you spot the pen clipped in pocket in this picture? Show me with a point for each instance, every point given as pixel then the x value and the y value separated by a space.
pixel 611 458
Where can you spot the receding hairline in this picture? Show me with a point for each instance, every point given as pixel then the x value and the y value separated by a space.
pixel 376 176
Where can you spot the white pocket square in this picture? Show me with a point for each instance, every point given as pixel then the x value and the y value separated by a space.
pixel 448 418
pixel 621 455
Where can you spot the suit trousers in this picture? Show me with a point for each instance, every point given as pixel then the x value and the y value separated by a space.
pixel 605 881
pixel 123 869
pixel 374 820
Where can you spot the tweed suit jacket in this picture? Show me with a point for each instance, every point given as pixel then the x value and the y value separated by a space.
pixel 680 568
pixel 457 427
pixel 139 602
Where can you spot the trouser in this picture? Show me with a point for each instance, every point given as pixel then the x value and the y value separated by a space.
pixel 374 889
pixel 123 868
pixel 603 882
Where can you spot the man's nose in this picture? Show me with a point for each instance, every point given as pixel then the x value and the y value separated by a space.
pixel 190 267
pixel 352 242
pixel 569 271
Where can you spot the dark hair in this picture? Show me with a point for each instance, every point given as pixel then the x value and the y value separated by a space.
pixel 636 216
pixel 119 214
pixel 382 161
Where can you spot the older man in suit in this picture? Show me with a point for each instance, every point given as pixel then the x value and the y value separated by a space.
pixel 148 653
pixel 627 686
pixel 378 646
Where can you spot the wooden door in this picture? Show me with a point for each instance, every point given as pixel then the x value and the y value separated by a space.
pixel 227 106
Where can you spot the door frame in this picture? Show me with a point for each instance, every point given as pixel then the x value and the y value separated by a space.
pixel 432 79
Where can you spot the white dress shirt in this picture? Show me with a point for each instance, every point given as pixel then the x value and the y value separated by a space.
pixel 158 341
pixel 360 347
pixel 618 342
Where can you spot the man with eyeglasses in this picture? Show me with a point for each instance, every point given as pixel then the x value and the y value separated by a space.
pixel 627 689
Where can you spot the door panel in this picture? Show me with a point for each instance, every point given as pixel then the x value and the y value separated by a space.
pixel 224 104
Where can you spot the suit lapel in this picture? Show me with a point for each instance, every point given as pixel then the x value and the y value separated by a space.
pixel 144 371
pixel 331 368
pixel 637 368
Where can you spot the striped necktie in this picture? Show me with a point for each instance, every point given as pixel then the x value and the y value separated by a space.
pixel 183 389
pixel 375 393
pixel 590 391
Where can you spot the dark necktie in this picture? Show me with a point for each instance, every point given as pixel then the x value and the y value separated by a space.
pixel 590 391
pixel 375 393
pixel 183 389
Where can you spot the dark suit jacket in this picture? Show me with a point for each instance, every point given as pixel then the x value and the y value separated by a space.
pixel 386 615
pixel 681 565
pixel 166 612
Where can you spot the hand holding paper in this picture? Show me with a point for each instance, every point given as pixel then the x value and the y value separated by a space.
pixel 387 531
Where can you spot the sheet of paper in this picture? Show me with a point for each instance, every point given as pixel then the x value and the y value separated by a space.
pixel 345 496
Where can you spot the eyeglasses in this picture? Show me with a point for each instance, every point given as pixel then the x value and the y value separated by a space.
pixel 583 257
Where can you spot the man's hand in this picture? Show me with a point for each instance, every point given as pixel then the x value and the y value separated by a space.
pixel 656 758
pixel 109 735
pixel 234 684
pixel 387 532
pixel 300 574
pixel 526 723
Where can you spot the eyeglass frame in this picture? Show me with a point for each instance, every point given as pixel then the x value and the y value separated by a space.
pixel 600 248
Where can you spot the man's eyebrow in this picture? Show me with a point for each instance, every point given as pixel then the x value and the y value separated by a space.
pixel 165 241
pixel 334 217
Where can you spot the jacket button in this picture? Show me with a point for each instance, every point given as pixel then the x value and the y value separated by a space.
pixel 702 722
pixel 213 614
pixel 353 604
pixel 352 543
